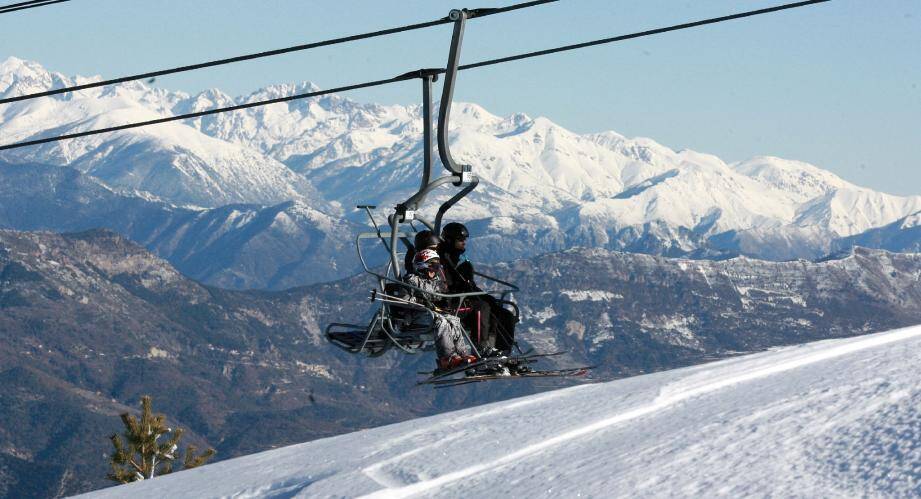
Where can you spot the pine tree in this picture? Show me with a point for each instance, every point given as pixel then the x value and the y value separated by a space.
pixel 141 455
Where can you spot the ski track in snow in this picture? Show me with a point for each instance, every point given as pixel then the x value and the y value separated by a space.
pixel 375 471
pixel 667 399
pixel 835 418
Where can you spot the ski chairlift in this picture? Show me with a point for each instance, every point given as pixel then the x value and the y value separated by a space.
pixel 389 327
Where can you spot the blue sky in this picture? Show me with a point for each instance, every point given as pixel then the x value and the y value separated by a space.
pixel 837 84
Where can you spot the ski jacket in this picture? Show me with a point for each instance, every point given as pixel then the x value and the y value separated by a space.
pixel 458 270
pixel 436 285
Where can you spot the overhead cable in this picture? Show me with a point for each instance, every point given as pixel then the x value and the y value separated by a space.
pixel 639 34
pixel 21 4
pixel 415 74
pixel 28 5
pixel 270 53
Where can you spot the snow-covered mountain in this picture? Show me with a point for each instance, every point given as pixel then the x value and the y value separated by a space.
pixel 172 160
pixel 232 246
pixel 835 418
pixel 539 179
pixel 903 235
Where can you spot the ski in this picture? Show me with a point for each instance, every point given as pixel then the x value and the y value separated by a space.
pixel 479 378
pixel 525 359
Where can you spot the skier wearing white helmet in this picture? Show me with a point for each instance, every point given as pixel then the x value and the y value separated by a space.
pixel 450 344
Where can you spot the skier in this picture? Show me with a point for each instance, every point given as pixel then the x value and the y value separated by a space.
pixel 450 344
pixel 489 317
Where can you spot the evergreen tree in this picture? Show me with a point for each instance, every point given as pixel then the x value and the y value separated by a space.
pixel 142 456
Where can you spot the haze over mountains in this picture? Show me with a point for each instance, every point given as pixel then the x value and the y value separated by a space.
pixel 544 188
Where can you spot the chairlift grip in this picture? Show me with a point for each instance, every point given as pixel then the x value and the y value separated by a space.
pixel 482 11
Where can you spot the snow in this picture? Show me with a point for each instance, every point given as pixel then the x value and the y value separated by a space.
pixel 535 175
pixel 913 220
pixel 837 418
pixel 590 295
pixel 542 316
pixel 675 329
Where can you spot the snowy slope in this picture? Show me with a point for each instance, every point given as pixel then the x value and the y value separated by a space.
pixel 837 418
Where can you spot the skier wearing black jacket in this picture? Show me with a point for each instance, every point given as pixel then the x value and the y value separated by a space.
pixel 494 323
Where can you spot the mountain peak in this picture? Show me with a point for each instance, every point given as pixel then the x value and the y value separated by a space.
pixel 20 77
pixel 13 64
pixel 805 181
pixel 281 90
pixel 470 114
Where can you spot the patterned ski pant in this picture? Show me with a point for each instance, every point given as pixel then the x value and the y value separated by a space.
pixel 449 333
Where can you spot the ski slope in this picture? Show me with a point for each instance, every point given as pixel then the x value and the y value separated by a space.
pixel 836 418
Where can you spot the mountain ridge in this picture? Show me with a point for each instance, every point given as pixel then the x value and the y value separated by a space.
pixel 332 153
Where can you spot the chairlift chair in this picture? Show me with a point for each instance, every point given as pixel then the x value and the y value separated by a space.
pixel 389 326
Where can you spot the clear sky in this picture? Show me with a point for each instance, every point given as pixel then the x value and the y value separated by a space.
pixel 836 84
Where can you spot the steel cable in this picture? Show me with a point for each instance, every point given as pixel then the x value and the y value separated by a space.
pixel 268 53
pixel 28 5
pixel 415 74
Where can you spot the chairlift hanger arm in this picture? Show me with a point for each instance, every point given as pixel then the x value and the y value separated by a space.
pixel 413 202
pixel 460 174
pixel 474 181
pixel 427 81
pixel 428 76
pixel 447 93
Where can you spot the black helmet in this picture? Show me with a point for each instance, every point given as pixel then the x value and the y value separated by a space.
pixel 425 239
pixel 454 231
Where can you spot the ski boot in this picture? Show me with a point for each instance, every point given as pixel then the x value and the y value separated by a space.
pixel 517 367
pixel 453 362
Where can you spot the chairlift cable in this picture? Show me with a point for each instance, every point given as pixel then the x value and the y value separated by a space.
pixel 20 4
pixel 640 34
pixel 28 5
pixel 414 74
pixel 269 53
